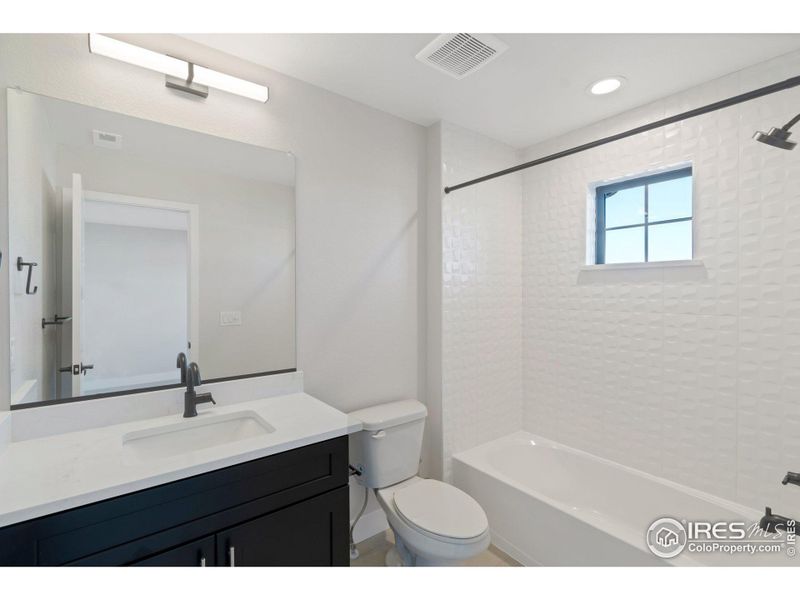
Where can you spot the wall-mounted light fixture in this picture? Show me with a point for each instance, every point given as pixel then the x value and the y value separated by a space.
pixel 180 74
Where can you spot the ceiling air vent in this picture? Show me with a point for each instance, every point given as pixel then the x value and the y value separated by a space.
pixel 459 54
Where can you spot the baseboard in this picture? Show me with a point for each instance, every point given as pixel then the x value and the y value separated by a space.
pixel 371 523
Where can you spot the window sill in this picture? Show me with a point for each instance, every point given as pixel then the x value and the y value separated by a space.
pixel 666 264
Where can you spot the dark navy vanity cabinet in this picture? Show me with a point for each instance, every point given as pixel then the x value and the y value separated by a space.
pixel 289 509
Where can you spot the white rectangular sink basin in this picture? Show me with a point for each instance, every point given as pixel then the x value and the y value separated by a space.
pixel 195 433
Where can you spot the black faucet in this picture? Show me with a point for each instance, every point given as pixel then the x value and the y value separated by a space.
pixel 771 522
pixel 190 398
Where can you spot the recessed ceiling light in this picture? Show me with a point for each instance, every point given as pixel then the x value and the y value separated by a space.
pixel 606 86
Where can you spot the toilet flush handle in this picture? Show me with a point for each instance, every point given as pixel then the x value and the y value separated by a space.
pixel 379 435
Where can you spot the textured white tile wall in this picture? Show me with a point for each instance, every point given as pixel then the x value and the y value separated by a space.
pixel 692 374
pixel 481 294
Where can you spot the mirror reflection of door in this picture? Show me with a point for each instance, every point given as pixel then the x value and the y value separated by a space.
pixel 131 300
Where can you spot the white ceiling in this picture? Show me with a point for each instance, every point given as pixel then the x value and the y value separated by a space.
pixel 536 90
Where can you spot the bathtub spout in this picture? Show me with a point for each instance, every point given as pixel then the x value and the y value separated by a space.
pixel 793 478
pixel 771 522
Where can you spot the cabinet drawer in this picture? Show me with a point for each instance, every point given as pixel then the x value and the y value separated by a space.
pixel 264 485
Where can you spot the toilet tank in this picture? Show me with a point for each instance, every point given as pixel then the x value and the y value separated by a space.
pixel 388 448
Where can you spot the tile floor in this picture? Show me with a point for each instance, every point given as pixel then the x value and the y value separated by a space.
pixel 373 551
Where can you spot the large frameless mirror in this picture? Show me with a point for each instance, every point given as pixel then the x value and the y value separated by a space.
pixel 131 241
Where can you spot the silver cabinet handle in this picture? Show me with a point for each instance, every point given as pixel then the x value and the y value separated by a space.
pixel 232 555
pixel 202 561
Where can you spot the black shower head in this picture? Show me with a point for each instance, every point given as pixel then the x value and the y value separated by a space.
pixel 778 136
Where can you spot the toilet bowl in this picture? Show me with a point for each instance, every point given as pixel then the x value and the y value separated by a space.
pixel 434 523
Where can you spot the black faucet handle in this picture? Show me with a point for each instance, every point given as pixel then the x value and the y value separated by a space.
pixel 793 478
pixel 203 398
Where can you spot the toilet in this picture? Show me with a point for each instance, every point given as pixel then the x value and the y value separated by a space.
pixel 434 523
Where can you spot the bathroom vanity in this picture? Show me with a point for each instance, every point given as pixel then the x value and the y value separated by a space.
pixel 290 509
pixel 259 482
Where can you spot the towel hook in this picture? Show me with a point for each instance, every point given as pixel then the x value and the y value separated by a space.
pixel 21 264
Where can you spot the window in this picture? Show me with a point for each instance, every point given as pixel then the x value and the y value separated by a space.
pixel 648 219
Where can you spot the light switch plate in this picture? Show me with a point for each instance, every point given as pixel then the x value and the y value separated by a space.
pixel 229 318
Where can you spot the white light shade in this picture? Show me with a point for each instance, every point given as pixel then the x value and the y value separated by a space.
pixel 141 57
pixel 229 83
pixel 606 86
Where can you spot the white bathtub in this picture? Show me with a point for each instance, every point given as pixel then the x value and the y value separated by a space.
pixel 549 504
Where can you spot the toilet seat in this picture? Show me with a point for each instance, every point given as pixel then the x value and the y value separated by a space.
pixel 440 510
pixel 419 546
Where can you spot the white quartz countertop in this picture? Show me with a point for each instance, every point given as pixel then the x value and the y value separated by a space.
pixel 50 474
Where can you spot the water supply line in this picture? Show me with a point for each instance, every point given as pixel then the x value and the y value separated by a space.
pixel 353 550
pixel 357 471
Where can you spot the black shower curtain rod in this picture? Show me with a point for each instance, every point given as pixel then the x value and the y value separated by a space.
pixel 752 95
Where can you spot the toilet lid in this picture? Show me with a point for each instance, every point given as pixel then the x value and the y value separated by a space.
pixel 441 509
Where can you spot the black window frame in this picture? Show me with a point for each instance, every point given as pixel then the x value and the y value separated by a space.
pixel 603 192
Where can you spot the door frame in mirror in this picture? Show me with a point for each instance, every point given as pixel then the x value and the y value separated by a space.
pixel 192 211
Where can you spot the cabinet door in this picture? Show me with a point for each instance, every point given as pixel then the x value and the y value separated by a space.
pixel 199 553
pixel 313 533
